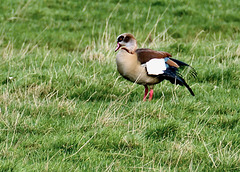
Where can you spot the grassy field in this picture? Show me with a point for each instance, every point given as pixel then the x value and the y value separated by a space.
pixel 64 107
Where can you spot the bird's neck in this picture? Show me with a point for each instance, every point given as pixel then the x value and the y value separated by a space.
pixel 130 47
pixel 130 52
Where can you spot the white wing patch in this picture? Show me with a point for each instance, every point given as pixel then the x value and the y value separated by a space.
pixel 155 66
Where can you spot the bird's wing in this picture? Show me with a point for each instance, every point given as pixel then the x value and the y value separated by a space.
pixel 183 65
pixel 146 54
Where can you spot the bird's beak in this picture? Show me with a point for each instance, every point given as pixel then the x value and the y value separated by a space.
pixel 118 46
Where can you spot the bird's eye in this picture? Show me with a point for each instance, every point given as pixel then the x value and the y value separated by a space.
pixel 120 39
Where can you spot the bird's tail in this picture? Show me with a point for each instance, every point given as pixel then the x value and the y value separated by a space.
pixel 185 84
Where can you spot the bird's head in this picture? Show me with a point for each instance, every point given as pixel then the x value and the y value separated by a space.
pixel 126 41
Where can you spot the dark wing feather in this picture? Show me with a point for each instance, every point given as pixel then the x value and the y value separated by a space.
pixel 146 54
pixel 183 65
pixel 172 75
pixel 180 63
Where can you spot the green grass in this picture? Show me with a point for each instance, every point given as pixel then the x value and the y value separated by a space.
pixel 64 107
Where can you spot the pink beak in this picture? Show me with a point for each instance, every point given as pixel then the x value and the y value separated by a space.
pixel 118 46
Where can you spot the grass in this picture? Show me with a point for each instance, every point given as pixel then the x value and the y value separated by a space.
pixel 63 105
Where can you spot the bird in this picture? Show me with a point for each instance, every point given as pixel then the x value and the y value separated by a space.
pixel 148 67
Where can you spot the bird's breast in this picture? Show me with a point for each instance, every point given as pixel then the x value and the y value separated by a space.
pixel 130 68
pixel 127 64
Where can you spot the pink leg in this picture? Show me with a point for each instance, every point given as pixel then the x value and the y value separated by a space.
pixel 150 94
pixel 146 92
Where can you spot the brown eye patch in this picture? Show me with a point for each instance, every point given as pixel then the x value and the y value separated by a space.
pixel 120 39
pixel 126 39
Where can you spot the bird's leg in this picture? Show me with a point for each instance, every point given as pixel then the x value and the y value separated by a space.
pixel 151 93
pixel 146 92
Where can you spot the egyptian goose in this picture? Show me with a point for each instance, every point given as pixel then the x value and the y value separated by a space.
pixel 147 67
